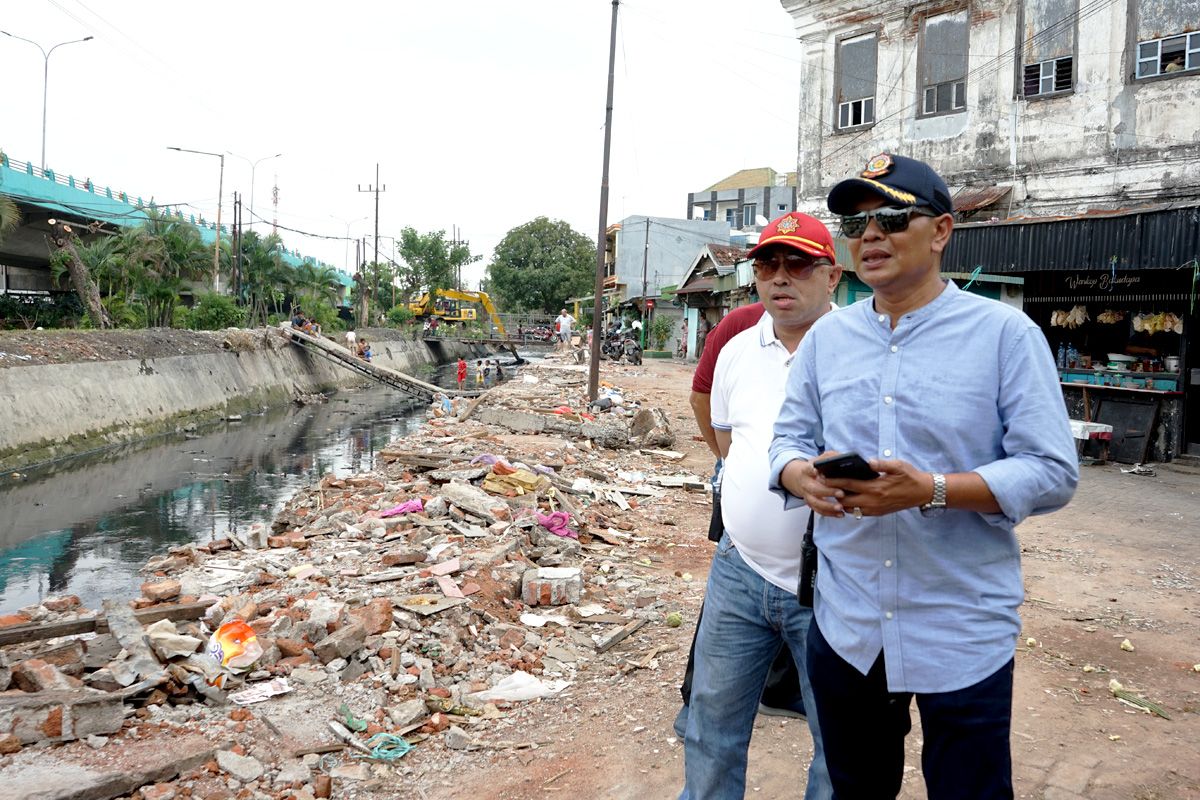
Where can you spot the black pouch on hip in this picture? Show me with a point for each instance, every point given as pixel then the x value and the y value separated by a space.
pixel 716 526
pixel 808 566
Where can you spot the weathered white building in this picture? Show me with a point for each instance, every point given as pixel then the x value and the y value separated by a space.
pixel 1026 107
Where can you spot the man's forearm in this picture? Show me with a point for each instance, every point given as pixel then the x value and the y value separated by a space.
pixel 702 410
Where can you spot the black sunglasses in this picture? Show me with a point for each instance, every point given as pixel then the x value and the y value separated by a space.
pixel 796 265
pixel 889 220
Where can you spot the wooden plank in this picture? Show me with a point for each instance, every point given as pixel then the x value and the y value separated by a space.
pixel 607 642
pixel 37 631
pixel 470 409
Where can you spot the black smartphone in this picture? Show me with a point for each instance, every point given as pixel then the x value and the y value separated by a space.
pixel 845 465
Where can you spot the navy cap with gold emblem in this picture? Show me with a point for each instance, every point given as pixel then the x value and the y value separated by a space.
pixel 899 180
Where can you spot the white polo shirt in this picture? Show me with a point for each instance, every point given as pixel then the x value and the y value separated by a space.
pixel 748 388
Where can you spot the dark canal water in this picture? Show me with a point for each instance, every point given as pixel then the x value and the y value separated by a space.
pixel 86 525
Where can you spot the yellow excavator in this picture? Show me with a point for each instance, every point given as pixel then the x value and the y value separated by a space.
pixel 451 305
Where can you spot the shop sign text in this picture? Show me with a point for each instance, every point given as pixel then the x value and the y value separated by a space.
pixel 1103 281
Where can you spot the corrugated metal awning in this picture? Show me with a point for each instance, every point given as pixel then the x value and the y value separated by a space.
pixel 1160 238
pixel 699 285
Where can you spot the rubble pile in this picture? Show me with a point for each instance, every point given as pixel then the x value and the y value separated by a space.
pixel 414 606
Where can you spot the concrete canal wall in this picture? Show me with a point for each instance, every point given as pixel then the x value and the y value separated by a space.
pixel 55 410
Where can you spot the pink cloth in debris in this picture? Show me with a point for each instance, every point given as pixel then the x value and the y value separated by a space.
pixel 556 523
pixel 410 507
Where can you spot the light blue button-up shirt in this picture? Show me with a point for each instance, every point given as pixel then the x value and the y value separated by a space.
pixel 962 384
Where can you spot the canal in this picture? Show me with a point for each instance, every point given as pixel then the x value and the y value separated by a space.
pixel 86 525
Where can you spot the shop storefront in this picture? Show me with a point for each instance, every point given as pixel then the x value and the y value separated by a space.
pixel 1116 297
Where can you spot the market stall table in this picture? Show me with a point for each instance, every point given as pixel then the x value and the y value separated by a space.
pixel 1085 431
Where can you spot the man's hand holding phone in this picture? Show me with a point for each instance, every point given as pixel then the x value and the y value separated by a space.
pixel 836 484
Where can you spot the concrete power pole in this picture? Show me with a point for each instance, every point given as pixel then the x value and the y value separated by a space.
pixel 376 189
pixel 598 300
pixel 455 241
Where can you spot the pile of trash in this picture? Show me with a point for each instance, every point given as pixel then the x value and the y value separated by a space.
pixel 380 612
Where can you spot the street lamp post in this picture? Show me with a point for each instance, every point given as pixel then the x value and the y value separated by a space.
pixel 220 192
pixel 348 223
pixel 46 78
pixel 253 167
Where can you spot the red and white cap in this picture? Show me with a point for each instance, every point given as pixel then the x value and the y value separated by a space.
pixel 799 231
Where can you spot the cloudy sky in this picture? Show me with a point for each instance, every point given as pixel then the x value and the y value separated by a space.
pixel 481 114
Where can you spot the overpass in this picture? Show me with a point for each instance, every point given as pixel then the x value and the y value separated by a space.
pixel 44 194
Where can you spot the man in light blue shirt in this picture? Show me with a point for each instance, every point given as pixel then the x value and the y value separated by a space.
pixel 955 401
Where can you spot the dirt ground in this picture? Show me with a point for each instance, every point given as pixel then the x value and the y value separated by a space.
pixel 1120 562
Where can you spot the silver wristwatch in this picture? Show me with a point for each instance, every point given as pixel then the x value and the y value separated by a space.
pixel 938 504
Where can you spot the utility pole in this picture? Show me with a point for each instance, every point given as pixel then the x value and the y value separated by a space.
pixel 376 189
pixel 455 242
pixel 598 300
pixel 237 247
pixel 645 258
pixel 358 278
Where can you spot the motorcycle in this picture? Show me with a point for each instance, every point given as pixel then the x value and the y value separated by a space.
pixel 621 345
pixel 632 351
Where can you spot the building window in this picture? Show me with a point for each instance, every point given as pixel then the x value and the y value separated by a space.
pixel 748 213
pixel 944 43
pixel 1048 77
pixel 782 208
pixel 708 213
pixel 943 97
pixel 730 216
pixel 1047 46
pixel 855 87
pixel 1168 55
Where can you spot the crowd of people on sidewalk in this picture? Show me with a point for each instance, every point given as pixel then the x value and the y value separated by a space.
pixel 864 506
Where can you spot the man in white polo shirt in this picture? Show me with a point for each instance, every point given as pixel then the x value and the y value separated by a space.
pixel 751 609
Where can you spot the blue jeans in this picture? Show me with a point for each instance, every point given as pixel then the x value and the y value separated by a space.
pixel 746 620
pixel 965 755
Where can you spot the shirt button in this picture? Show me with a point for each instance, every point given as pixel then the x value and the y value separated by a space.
pixel 895 349
pixel 887 563
pixel 882 318
pixel 888 399
pixel 888 615
pixel 887 452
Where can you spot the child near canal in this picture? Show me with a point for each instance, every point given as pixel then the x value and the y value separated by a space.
pixel 462 372
pixel 479 373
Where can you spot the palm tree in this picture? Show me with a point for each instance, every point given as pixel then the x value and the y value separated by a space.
pixel 318 283
pixel 161 256
pixel 264 276
pixel 10 216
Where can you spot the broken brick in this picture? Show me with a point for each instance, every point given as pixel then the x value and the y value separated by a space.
pixel 64 603
pixel 375 616
pixel 36 675
pixel 292 647
pixel 161 590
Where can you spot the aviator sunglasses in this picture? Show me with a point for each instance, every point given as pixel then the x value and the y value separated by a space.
pixel 889 220
pixel 797 265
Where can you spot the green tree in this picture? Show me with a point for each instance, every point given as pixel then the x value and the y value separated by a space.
pixel 161 256
pixel 10 216
pixel 265 278
pixel 540 264
pixel 430 262
pixel 214 312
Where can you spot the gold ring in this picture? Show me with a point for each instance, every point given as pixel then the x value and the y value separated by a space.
pixel 857 512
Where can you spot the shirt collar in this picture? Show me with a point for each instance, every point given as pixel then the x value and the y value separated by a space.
pixel 948 294
pixel 766 328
